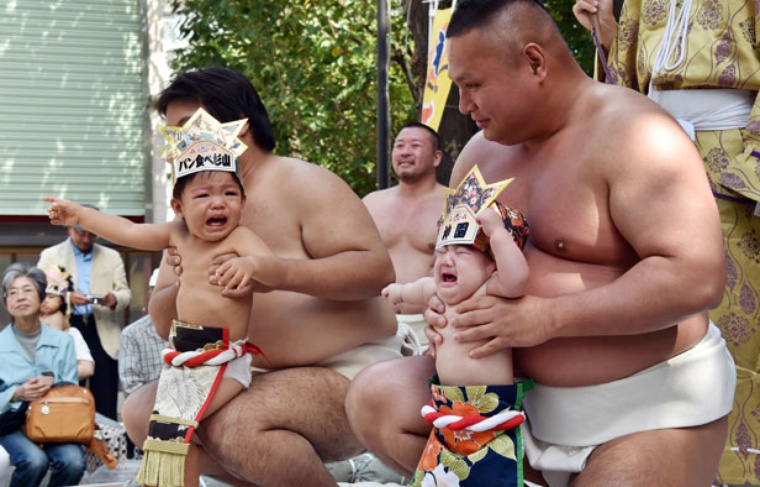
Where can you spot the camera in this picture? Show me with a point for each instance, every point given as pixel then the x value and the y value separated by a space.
pixel 96 298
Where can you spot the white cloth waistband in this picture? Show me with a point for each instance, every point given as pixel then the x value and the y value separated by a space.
pixel 411 329
pixel 706 109
pixel 692 388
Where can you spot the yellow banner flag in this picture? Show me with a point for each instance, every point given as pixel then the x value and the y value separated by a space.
pixel 437 81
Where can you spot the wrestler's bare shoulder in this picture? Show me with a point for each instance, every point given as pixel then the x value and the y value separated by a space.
pixel 619 119
pixel 393 200
pixel 488 155
pixel 298 174
pixel 381 195
pixel 294 206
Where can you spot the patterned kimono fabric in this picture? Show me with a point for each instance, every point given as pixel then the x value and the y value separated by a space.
pixel 719 52
pixel 459 456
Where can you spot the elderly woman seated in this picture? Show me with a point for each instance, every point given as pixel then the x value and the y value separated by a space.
pixel 35 357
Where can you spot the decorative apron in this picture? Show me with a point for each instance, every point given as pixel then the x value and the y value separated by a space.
pixel 476 438
pixel 195 363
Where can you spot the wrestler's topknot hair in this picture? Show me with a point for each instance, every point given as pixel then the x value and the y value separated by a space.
pixel 471 14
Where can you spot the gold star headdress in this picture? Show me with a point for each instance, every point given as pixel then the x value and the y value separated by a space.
pixel 202 144
pixel 463 204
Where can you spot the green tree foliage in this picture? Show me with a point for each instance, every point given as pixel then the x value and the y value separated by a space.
pixel 314 64
pixel 576 36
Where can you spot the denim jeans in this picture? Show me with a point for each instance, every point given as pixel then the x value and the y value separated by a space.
pixel 32 462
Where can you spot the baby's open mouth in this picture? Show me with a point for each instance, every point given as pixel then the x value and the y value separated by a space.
pixel 216 222
pixel 446 277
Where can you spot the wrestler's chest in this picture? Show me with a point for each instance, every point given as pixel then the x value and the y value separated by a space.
pixel 563 212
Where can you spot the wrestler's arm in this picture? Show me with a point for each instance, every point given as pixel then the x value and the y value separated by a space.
pixel 661 203
pixel 162 305
pixel 348 259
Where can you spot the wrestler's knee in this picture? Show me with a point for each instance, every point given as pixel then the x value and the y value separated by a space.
pixel 236 415
pixel 136 412
pixel 376 384
pixel 366 396
pixel 362 389
pixel 389 391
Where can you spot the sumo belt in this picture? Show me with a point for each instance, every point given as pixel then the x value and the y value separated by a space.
pixel 195 362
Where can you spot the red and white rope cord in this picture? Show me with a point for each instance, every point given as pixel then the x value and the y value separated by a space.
pixel 505 420
pixel 211 357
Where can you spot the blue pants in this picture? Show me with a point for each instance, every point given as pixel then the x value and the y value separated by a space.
pixel 32 462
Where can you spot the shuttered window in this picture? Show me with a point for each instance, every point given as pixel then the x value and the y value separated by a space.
pixel 73 105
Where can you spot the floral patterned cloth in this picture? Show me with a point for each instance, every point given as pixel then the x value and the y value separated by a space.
pixel 465 458
pixel 720 52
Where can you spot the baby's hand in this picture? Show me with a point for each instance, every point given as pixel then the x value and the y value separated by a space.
pixel 392 292
pixel 244 275
pixel 234 273
pixel 62 212
pixel 490 220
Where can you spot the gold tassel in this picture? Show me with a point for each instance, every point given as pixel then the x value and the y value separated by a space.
pixel 163 463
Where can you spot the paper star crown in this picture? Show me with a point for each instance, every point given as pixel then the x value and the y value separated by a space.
pixel 58 281
pixel 473 196
pixel 202 144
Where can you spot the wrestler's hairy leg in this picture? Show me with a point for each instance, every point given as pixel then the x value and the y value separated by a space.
pixel 136 416
pixel 685 457
pixel 383 406
pixel 228 388
pixel 212 469
pixel 281 430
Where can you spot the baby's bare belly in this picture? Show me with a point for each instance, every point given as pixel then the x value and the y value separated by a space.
pixel 455 367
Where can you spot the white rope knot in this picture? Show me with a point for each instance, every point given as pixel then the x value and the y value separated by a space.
pixel 195 358
pixel 507 419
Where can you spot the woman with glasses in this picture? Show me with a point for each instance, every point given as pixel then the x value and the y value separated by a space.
pixel 35 357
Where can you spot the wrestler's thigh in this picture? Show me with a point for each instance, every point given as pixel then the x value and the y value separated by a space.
pixel 685 457
pixel 308 401
pixel 136 411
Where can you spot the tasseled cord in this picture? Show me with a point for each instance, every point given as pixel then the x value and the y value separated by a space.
pixel 163 464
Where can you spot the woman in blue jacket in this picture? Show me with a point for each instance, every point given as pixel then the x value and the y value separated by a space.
pixel 35 357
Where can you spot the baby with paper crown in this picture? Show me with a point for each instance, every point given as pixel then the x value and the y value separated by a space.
pixel 55 311
pixel 476 403
pixel 208 361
